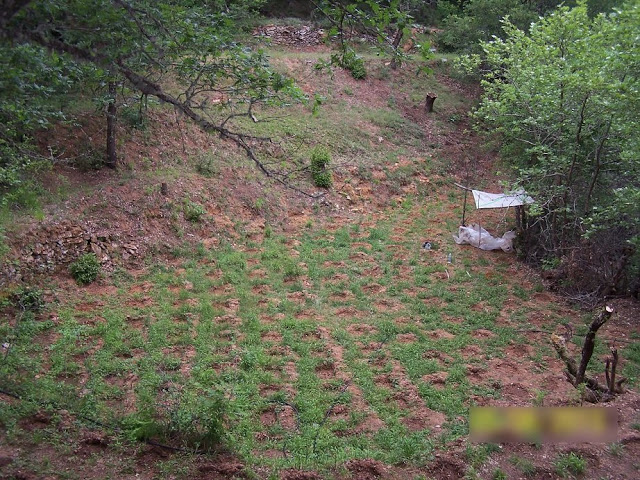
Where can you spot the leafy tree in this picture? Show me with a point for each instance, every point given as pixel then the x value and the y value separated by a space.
pixel 480 20
pixel 564 100
pixel 147 47
pixel 30 79
pixel 372 18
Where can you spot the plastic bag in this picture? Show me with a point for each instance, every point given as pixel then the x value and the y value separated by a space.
pixel 478 237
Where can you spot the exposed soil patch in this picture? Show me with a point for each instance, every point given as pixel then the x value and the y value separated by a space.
pixel 447 468
pixel 366 469
pixel 437 379
pixel 294 474
pixel 406 338
pixel 358 329
pixel 440 334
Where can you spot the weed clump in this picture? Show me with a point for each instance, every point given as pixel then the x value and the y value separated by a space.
pixel 320 159
pixel 567 465
pixel 207 165
pixel 193 211
pixel 29 299
pixel 193 421
pixel 85 269
pixel 349 60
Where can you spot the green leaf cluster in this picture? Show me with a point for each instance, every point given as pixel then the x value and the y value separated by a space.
pixel 31 80
pixel 320 160
pixel 480 20
pixel 382 23
pixel 182 52
pixel 85 269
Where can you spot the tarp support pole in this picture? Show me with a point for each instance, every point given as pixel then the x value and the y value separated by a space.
pixel 464 208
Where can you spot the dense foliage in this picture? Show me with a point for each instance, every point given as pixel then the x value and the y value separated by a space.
pixel 475 21
pixel 118 47
pixel 480 20
pixel 30 78
pixel 370 18
pixel 85 269
pixel 564 100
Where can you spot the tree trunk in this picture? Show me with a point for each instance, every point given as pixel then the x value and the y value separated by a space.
pixel 112 156
pixel 428 104
pixel 589 342
pixel 396 43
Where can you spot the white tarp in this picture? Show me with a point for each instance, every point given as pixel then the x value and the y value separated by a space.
pixel 501 200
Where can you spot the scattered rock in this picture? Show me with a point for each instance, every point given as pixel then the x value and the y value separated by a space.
pixel 304 36
pixel 52 247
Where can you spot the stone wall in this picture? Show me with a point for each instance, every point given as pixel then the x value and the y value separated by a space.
pixel 47 248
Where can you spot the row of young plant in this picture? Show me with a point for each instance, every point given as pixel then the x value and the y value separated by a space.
pixel 196 401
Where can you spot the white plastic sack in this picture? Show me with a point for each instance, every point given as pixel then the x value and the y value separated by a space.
pixel 478 237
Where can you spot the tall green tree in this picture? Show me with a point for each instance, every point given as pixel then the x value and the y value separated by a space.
pixel 480 20
pixel 564 100
pixel 374 19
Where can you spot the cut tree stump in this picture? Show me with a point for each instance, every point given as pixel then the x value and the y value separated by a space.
pixel 428 103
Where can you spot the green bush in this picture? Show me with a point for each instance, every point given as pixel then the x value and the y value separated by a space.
pixel 193 211
pixel 134 117
pixel 480 21
pixel 29 299
pixel 85 269
pixel 350 61
pixel 188 420
pixel 320 159
pixel 207 164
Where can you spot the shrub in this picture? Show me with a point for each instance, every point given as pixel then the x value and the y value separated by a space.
pixel 190 420
pixel 134 116
pixel 193 211
pixel 480 21
pixel 29 299
pixel 320 159
pixel 85 269
pixel 207 164
pixel 350 61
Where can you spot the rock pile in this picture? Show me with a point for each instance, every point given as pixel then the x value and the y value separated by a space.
pixel 48 248
pixel 302 36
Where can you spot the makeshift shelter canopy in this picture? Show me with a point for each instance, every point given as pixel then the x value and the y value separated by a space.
pixel 484 200
pixel 501 200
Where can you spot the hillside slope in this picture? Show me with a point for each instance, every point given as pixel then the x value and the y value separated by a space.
pixel 240 329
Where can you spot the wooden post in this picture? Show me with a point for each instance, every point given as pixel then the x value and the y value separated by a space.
pixel 428 104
